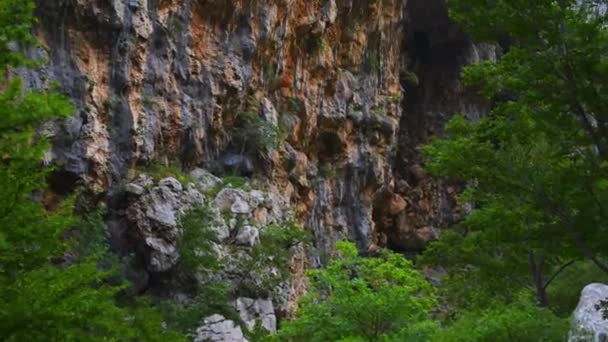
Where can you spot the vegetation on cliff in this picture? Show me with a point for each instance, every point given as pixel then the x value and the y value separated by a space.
pixel 50 289
pixel 536 170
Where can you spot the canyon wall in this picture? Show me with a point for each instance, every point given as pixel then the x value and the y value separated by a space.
pixel 348 90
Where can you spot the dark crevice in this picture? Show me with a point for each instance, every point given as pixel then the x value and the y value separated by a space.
pixel 435 50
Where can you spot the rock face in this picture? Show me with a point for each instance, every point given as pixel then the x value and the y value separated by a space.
pixel 152 216
pixel 345 92
pixel 216 328
pixel 588 323
pixel 354 87
pixel 252 311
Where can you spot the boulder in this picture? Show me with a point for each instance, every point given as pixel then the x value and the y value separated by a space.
pixel 216 328
pixel 171 183
pixel 227 197
pixel 588 323
pixel 247 236
pixel 252 311
pixel 134 189
pixel 239 206
pixel 155 213
pixel 205 179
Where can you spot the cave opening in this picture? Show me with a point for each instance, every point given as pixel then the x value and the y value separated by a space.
pixel 330 147
pixel 63 182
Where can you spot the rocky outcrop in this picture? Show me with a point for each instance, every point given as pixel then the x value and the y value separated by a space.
pixel 216 328
pixel 152 215
pixel 353 88
pixel 587 322
pixel 253 311
pixel 326 103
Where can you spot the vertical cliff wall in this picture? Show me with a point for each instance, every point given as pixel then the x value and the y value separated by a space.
pixel 353 89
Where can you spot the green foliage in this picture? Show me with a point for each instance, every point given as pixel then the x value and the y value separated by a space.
pixel 175 24
pixel 372 63
pixel 196 242
pixel 185 316
pixel 16 20
pixel 521 321
pixel 537 165
pixel 363 299
pixel 51 288
pixel 229 181
pixel 158 171
pixel 317 44
pixel 327 171
pixel 251 132
pixel 197 256
pixel 564 293
pixel 268 262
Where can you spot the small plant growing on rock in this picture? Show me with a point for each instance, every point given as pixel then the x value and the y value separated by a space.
pixel 327 171
pixel 269 259
pixel 232 181
pixel 372 63
pixel 251 132
pixel 158 171
pixel 317 44
pixel 197 254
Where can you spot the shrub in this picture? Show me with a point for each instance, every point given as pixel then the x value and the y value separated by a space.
pixel 158 171
pixel 269 260
pixel 362 299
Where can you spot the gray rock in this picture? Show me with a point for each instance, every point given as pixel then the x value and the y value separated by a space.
pixel 171 183
pixel 163 255
pixel 239 206
pixel 155 215
pixel 216 328
pixel 330 12
pixel 218 225
pixel 161 205
pixel 269 112
pixel 247 236
pixel 256 198
pixel 588 323
pixel 226 197
pixel 205 179
pixel 134 189
pixel 252 311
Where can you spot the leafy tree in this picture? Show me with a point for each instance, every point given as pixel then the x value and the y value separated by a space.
pixel 519 321
pixel 537 165
pixel 47 292
pixel 363 299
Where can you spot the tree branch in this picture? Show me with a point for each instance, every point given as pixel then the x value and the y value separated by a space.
pixel 560 270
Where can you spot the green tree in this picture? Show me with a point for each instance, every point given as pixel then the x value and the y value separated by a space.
pixel 363 299
pixel 537 165
pixel 47 291
pixel 520 321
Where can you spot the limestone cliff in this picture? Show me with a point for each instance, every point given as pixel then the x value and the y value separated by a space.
pixel 351 89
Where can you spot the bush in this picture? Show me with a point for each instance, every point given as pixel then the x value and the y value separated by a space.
pixel 196 242
pixel 159 171
pixel 519 321
pixel 251 132
pixel 269 260
pixel 362 299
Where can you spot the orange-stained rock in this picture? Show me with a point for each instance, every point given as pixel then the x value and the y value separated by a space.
pixel 396 204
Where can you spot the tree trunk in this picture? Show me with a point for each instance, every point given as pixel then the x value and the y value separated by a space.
pixel 538 275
